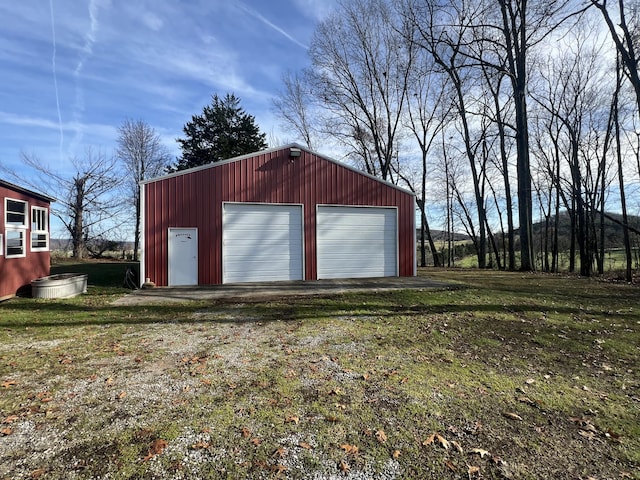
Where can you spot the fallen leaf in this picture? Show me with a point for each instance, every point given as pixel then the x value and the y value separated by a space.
pixel 109 381
pixel 512 416
pixel 256 441
pixel 480 451
pixel 349 449
pixel 6 431
pixel 344 466
pixel 429 440
pixel 10 419
pixel 37 473
pixel 457 446
pixel 200 445
pixel 612 435
pixel 156 448
pixel 279 469
pixel 305 445
pixel 245 432
pixel 381 436
pixel 292 419
pixel 473 470
pixel 368 432
pixel 206 381
pixel 442 441
pixel 122 395
pixel 365 376
pixel 396 454
pixel 450 465
pixel 8 383
pixel 280 452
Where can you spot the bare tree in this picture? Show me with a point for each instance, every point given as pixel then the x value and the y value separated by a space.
pixel 625 33
pixel 89 208
pixel 429 108
pixel 143 156
pixel 443 33
pixel 360 72
pixel 294 104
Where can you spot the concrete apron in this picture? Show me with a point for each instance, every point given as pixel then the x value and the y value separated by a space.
pixel 266 290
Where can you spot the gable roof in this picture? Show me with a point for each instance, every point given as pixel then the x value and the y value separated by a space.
pixel 31 193
pixel 271 150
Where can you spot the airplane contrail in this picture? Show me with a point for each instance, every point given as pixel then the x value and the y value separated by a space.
pixel 55 77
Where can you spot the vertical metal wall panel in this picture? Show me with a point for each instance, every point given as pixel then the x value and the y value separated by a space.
pixel 194 199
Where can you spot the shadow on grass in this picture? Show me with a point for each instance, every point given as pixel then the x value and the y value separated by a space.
pixel 63 314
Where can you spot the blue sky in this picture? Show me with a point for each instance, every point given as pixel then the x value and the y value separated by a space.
pixel 72 70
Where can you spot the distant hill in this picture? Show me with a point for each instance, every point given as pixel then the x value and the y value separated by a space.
pixel 441 236
pixel 613 232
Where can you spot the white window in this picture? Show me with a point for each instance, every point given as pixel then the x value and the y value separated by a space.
pixel 1 245
pixel 15 213
pixel 15 244
pixel 39 229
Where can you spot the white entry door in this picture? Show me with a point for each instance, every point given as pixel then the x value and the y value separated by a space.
pixel 183 256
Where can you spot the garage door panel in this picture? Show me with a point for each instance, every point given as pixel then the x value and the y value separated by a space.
pixel 356 242
pixel 262 243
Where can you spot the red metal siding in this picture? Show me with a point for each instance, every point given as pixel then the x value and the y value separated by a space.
pixel 195 199
pixel 16 273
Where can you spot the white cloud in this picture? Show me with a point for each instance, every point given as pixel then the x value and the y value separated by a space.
pixel 152 21
pixel 317 10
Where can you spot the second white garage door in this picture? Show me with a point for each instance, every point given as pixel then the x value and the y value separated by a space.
pixel 261 242
pixel 357 242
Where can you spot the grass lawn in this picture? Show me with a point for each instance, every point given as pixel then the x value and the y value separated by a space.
pixel 508 375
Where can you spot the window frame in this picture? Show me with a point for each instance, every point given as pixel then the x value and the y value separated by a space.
pixel 39 230
pixel 23 234
pixel 25 222
pixel 1 245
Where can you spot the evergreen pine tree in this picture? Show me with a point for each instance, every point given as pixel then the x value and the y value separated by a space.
pixel 223 130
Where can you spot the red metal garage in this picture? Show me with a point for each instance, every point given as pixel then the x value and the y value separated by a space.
pixel 280 214
pixel 24 238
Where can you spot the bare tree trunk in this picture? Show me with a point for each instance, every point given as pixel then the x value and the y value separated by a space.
pixel 78 233
pixel 623 199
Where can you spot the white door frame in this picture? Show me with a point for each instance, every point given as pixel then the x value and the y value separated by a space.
pixel 193 273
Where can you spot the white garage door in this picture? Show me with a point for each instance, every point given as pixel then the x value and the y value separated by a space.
pixel 357 242
pixel 261 242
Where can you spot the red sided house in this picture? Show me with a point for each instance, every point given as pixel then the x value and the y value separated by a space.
pixel 279 214
pixel 24 238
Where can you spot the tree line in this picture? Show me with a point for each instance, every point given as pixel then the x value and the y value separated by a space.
pixel 489 110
